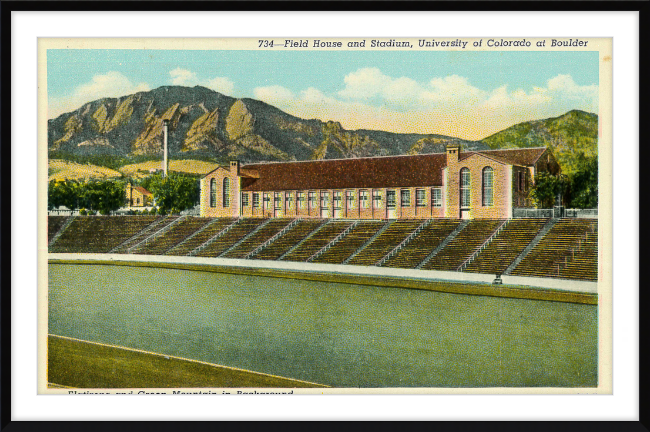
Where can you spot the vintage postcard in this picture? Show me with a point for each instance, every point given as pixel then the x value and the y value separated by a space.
pixel 305 215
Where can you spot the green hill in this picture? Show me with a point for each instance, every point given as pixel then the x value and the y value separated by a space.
pixel 568 135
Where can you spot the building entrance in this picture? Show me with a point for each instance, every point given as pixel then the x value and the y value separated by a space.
pixel 277 205
pixel 391 205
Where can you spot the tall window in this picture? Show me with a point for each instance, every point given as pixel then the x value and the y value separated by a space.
pixel 324 199
pixel 349 197
pixel 465 184
pixel 312 199
pixel 278 200
pixel 213 193
pixel 267 201
pixel 226 192
pixel 488 182
pixel 420 198
pixel 256 200
pixel 337 199
pixel 300 198
pixel 363 197
pixel 436 197
pixel 390 199
pixel 405 195
pixel 376 199
pixel 288 200
pixel 244 200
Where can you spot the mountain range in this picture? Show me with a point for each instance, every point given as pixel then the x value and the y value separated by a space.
pixel 204 123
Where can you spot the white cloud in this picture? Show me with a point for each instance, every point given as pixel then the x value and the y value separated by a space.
pixel 110 85
pixel 185 77
pixel 221 85
pixel 448 105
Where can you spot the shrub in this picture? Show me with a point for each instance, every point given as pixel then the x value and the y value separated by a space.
pixel 175 211
pixel 162 212
pixel 153 211
pixel 83 212
pixel 104 212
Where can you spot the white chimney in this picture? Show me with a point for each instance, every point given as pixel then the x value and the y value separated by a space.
pixel 166 151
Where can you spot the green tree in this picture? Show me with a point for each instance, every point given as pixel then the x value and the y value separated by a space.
pixel 105 196
pixel 584 183
pixel 176 191
pixel 64 193
pixel 547 187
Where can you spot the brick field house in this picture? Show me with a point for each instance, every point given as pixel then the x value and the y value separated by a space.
pixel 454 184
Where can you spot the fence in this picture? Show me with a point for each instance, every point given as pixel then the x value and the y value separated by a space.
pixel 581 213
pixel 532 213
pixel 554 212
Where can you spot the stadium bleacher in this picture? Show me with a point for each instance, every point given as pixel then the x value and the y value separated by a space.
pixel 256 239
pixel 213 228
pixel 463 245
pixel 421 246
pixel 176 234
pixel 506 246
pixel 236 233
pixel 583 263
pixel 158 224
pixel 341 250
pixel 282 245
pixel 54 224
pixel 386 242
pixel 569 250
pixel 322 237
pixel 555 247
pixel 99 234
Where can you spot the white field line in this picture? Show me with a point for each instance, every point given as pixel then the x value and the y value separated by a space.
pixel 183 358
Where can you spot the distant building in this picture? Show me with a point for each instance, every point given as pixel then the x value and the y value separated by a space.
pixel 137 196
pixel 455 184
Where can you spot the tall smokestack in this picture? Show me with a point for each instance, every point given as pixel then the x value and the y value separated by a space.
pixel 166 150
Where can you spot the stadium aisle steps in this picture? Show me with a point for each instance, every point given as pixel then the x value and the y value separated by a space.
pixel 464 245
pixel 386 242
pixel 506 246
pixel 264 234
pixel 350 243
pixel 421 246
pixel 276 249
pixel 241 229
pixel 323 237
pixel 217 225
pixel 54 224
pixel 171 238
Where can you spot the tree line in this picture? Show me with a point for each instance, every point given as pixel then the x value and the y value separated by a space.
pixel 578 190
pixel 172 194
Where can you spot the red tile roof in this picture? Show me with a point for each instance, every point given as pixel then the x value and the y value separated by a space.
pixel 373 172
pixel 395 171
pixel 142 190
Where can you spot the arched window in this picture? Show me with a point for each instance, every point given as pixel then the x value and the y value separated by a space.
pixel 488 185
pixel 226 192
pixel 213 193
pixel 465 185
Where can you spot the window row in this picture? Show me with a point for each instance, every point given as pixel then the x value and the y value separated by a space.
pixel 323 199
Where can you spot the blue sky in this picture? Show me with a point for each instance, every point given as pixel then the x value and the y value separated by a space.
pixel 471 93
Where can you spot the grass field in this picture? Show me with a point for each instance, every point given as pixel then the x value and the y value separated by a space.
pixel 80 364
pixel 59 169
pixel 333 333
pixel 188 166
